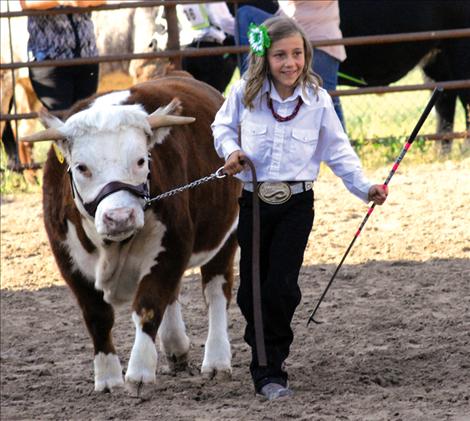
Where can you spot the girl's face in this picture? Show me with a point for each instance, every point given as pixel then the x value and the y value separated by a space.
pixel 286 59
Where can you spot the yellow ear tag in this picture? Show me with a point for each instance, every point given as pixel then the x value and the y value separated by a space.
pixel 58 153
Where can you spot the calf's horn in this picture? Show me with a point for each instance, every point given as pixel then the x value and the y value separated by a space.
pixel 157 121
pixel 48 134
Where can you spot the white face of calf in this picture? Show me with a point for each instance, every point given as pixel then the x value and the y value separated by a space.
pixel 109 143
pixel 99 159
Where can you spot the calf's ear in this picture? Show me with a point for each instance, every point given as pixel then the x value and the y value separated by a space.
pixel 174 107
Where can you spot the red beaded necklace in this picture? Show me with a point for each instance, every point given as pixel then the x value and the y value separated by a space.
pixel 287 118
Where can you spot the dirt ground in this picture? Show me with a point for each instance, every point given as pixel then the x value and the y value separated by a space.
pixel 395 344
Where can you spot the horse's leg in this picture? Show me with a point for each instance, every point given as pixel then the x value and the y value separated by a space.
pixel 6 127
pixel 9 143
pixel 467 125
pixel 25 98
pixel 445 108
pixel 217 282
pixel 459 62
pixel 439 69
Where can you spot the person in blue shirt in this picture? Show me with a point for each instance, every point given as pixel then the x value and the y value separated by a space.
pixel 288 126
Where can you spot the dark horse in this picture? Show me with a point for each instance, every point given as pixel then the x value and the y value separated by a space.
pixel 382 64
pixel 442 60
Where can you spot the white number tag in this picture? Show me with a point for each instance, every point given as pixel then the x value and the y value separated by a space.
pixel 196 16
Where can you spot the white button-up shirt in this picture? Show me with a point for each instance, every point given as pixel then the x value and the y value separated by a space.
pixel 291 150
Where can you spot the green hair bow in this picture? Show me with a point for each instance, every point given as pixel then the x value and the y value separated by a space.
pixel 259 39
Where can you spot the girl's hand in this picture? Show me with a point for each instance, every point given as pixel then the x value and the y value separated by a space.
pixel 378 193
pixel 234 163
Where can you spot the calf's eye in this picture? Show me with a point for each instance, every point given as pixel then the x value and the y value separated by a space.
pixel 141 162
pixel 82 168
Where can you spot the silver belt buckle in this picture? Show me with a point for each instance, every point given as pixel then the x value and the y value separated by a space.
pixel 274 193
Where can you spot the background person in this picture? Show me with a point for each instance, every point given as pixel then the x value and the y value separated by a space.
pixel 288 127
pixel 57 37
pixel 208 25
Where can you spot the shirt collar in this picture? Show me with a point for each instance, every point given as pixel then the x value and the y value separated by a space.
pixel 269 88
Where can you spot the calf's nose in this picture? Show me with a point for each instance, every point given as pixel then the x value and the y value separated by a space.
pixel 119 218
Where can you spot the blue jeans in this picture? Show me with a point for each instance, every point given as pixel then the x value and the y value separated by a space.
pixel 327 67
pixel 323 64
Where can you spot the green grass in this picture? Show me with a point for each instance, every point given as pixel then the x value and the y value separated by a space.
pixel 390 119
pixel 392 114
pixel 12 182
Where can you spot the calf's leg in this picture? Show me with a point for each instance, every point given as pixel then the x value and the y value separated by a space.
pixel 217 281
pixel 99 318
pixel 174 342
pixel 154 294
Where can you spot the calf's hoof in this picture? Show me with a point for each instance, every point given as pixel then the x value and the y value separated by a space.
pixel 177 363
pixel 222 374
pixel 108 372
pixel 109 384
pixel 140 380
pixel 140 390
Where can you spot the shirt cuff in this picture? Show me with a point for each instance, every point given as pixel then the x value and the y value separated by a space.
pixel 362 191
pixel 229 147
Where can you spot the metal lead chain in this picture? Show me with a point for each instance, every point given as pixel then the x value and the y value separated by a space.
pixel 218 174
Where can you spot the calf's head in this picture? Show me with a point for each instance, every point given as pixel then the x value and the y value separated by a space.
pixel 107 150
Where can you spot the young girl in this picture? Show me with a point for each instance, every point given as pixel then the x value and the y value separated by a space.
pixel 288 127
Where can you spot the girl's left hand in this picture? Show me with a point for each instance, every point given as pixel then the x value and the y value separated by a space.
pixel 378 193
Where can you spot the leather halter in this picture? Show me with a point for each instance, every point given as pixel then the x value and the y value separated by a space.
pixel 140 190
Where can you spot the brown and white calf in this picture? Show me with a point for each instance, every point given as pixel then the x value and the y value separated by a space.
pixel 110 250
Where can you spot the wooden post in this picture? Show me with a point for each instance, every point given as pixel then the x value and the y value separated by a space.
pixel 173 34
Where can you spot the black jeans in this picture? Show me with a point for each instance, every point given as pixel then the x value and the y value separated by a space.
pixel 284 234
pixel 58 88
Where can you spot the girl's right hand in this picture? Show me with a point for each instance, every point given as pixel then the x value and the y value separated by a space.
pixel 235 163
pixel 378 193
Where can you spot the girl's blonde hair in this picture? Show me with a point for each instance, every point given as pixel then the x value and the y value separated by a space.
pixel 258 67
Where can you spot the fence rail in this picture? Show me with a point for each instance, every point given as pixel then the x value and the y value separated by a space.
pixel 450 85
pixel 212 51
pixel 427 137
